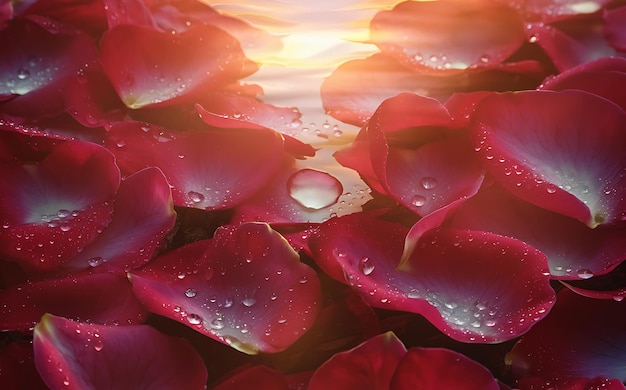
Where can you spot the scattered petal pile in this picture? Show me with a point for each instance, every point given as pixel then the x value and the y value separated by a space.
pixel 160 226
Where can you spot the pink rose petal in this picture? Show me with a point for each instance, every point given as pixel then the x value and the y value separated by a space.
pixel 245 288
pixel 582 337
pixel 551 10
pixel 439 368
pixel 451 36
pixel 74 355
pixel 369 365
pixel 559 157
pixel 207 168
pixel 104 298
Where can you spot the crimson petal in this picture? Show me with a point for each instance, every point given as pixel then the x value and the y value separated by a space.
pixel 73 355
pixel 169 68
pixel 104 298
pixel 534 383
pixel 208 168
pixel 449 36
pixel 369 365
pixel 246 288
pixel 593 347
pixel 559 158
pixel 473 286
pixel 17 367
pixel 439 368
pixel 615 34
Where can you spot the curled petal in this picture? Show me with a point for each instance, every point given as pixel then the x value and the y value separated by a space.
pixel 592 348
pixel 245 288
pixel 448 36
pixel 74 355
pixel 559 157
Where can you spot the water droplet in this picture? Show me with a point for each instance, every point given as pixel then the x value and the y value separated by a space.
pixel 248 301
pixel 98 346
pixel 428 182
pixel 584 274
pixel 217 324
pixel 65 228
pixel 418 201
pixel 228 303
pixel 366 266
pixel 314 189
pixel 95 261
pixel 303 280
pixel 63 213
pixel 490 323
pixel 551 189
pixel 451 305
pixel 22 74
pixel 413 294
pixel 190 293
pixel 194 319
pixel 282 320
pixel 618 298
pixel 195 197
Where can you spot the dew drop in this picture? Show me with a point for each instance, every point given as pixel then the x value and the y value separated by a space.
pixel 618 298
pixel 413 294
pixel 490 323
pixel 194 319
pixel 190 293
pixel 228 303
pixel 303 280
pixel 314 189
pixel 428 182
pixel 418 201
pixel 551 189
pixel 584 274
pixel 63 213
pixel 22 74
pixel 65 228
pixel 248 301
pixel 217 324
pixel 195 197
pixel 484 58
pixel 366 266
pixel 95 261
pixel 98 346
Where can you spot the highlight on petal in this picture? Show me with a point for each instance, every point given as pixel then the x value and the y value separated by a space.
pixel 104 298
pixel 581 338
pixel 372 364
pixel 245 288
pixel 439 368
pixel 450 36
pixel 76 355
pixel 473 286
pixel 143 215
pixel 574 250
pixel 553 10
pixel 160 68
pixel 545 148
pixel 207 168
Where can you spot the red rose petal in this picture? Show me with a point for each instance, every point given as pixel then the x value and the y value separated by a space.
pixel 88 16
pixel 208 168
pixel 39 56
pixel 160 68
pixel 614 28
pixel 104 298
pixel 473 286
pixel 450 36
pixel 574 250
pixel 143 216
pixel 552 10
pixel 73 355
pixel 439 368
pixel 258 377
pixel 129 12
pixel 551 158
pixel 369 365
pixel 570 384
pixel 582 337
pixel 17 367
pixel 245 288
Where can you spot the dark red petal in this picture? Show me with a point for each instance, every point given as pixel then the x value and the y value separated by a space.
pixel 438 368
pixel 143 216
pixel 60 127
pixel 88 16
pixel 605 77
pixel 570 384
pixel 160 68
pixel 574 250
pixel 448 36
pixel 38 58
pixel 616 295
pixel 104 298
pixel 582 337
pixel 560 157
pixel 614 29
pixel 74 355
pixel 258 377
pixel 236 111
pixel 245 288
pixel 473 286
pixel 17 367
pixel 369 365
pixel 207 168
pixel 133 12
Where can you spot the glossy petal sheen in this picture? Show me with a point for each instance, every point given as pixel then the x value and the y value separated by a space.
pixel 104 298
pixel 544 147
pixel 369 365
pixel 445 36
pixel 438 368
pixel 163 68
pixel 473 286
pixel 208 169
pixel 595 346
pixel 74 355
pixel 246 288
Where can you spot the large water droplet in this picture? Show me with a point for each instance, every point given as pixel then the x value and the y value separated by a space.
pixel 190 293
pixel 95 261
pixel 22 74
pixel 217 324
pixel 366 266
pixel 428 182
pixel 584 274
pixel 314 189
pixel 418 201
pixel 194 319
pixel 195 197
pixel 248 301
